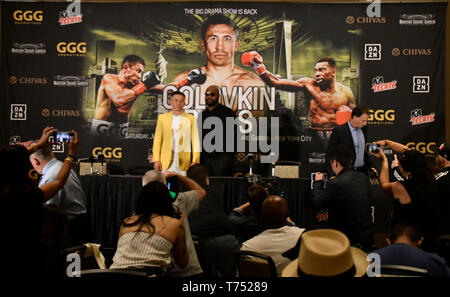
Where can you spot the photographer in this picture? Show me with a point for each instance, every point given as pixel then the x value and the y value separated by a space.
pixel 246 219
pixel 348 199
pixel 22 202
pixel 70 199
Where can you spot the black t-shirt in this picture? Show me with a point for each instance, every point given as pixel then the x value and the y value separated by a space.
pixel 209 219
pixel 221 112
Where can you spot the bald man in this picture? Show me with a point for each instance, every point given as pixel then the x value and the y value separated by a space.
pixel 214 156
pixel 278 237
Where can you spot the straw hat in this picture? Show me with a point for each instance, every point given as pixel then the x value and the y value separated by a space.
pixel 327 252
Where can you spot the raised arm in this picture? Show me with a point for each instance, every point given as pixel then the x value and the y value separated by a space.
pixel 395 146
pixel 43 141
pixel 188 183
pixel 254 59
pixel 51 188
pixel 180 252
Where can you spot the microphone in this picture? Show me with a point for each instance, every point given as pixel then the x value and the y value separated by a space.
pixel 250 157
pixel 91 159
pixel 101 158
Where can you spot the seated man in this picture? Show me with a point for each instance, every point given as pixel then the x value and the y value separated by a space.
pixel 278 237
pixel 218 245
pixel 348 199
pixel 246 219
pixel 404 249
pixel 70 199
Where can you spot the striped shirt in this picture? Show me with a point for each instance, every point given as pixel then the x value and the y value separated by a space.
pixel 138 250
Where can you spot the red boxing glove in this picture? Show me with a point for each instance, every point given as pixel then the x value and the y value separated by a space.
pixel 343 114
pixel 255 60
pixel 149 80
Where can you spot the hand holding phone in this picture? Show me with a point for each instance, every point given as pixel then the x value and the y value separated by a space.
pixel 61 136
pixel 373 148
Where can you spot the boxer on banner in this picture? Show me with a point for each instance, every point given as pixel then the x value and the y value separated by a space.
pixel 219 41
pixel 331 102
pixel 117 94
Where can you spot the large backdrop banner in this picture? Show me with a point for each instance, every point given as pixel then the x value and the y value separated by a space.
pixel 68 65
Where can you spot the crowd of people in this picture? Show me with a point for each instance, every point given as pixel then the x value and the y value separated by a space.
pixel 191 235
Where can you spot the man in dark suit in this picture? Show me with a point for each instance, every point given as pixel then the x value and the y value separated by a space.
pixel 354 135
pixel 348 199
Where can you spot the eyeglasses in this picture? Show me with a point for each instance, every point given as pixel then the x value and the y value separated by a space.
pixel 210 94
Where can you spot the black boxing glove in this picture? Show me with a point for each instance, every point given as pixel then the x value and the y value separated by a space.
pixel 149 80
pixel 196 76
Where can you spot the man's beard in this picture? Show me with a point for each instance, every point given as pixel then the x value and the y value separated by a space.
pixel 212 103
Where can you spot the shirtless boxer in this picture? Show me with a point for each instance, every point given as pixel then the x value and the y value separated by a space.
pixel 220 43
pixel 117 94
pixel 330 101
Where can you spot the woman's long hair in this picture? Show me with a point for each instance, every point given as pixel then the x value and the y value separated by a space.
pixel 422 178
pixel 153 199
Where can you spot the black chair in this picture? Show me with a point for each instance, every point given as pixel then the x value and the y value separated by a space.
pixel 402 271
pixel 443 247
pixel 253 264
pixel 113 274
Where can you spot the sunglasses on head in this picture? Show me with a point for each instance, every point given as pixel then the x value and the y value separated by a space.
pixel 210 94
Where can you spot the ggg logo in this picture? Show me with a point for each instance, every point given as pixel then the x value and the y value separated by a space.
pixel 108 152
pixel 28 17
pixel 71 48
pixel 422 147
pixel 381 117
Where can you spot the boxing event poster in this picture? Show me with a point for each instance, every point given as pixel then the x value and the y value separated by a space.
pixel 56 57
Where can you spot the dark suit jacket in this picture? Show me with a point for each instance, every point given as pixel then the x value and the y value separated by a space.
pixel 349 202
pixel 342 135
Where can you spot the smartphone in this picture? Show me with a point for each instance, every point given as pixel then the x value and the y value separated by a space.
pixel 62 136
pixel 313 178
pixel 373 148
pixel 168 186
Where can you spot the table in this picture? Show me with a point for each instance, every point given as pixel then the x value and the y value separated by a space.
pixel 111 198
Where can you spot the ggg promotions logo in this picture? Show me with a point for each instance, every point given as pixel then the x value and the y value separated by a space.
pixel 417 118
pixel 107 152
pixel 28 17
pixel 421 84
pixel 422 147
pixel 72 15
pixel 18 112
pixel 378 85
pixel 381 117
pixel 71 49
pixel 372 51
